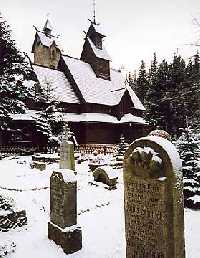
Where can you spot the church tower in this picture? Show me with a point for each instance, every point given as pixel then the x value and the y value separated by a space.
pixel 94 52
pixel 45 49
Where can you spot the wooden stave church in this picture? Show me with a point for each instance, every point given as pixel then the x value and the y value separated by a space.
pixel 98 104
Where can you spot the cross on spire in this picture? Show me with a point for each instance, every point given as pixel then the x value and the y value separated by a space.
pixel 94 12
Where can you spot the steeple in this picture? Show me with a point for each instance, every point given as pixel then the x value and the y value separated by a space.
pixel 94 53
pixel 94 31
pixel 46 52
pixel 47 28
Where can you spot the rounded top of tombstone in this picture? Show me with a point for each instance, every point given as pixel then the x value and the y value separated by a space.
pixel 153 157
pixel 161 133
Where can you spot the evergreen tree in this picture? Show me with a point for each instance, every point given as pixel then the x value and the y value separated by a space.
pixel 13 71
pixel 152 97
pixel 172 97
pixel 189 153
pixel 174 105
pixel 141 83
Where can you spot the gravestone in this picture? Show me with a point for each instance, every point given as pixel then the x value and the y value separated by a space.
pixel 67 160
pixel 106 175
pixel 63 228
pixel 153 200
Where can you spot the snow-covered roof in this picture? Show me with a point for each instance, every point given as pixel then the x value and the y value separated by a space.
pixel 98 90
pixel 137 103
pixel 45 40
pixel 89 117
pixel 101 53
pixel 32 115
pixel 98 28
pixel 60 87
pixel 100 117
pixel 128 118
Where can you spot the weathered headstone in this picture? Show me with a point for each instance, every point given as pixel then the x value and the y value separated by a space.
pixel 38 165
pixel 63 228
pixel 153 194
pixel 67 160
pixel 106 175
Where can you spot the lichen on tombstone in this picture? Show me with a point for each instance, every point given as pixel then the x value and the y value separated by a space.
pixel 153 193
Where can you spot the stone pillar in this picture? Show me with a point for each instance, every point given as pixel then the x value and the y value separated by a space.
pixel 67 160
pixel 153 200
pixel 62 228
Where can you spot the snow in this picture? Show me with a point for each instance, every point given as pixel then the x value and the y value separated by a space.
pixel 195 198
pixel 137 103
pixel 98 28
pixel 162 179
pixel 67 229
pixel 171 151
pixel 59 85
pixel 100 117
pixel 100 214
pixel 67 174
pixel 98 90
pixel 149 150
pixel 110 171
pixel 29 115
pixel 45 40
pixel 33 115
pixel 47 156
pixel 101 53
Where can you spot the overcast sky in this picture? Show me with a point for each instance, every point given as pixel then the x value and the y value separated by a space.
pixel 135 29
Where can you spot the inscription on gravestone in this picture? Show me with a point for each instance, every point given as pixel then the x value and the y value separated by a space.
pixel 153 201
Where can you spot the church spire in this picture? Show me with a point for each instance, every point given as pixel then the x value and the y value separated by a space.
pixel 47 28
pixel 94 13
pixel 94 52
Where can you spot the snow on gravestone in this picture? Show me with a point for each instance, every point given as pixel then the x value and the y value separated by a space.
pixel 154 218
pixel 67 151
pixel 63 228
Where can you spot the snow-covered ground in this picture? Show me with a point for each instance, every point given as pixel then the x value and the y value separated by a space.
pixel 100 214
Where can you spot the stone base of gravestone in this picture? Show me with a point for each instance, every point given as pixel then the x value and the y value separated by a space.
pixel 70 238
pixel 67 160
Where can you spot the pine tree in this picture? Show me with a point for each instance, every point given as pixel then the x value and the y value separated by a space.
pixel 189 153
pixel 176 79
pixel 141 84
pixel 152 97
pixel 13 71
